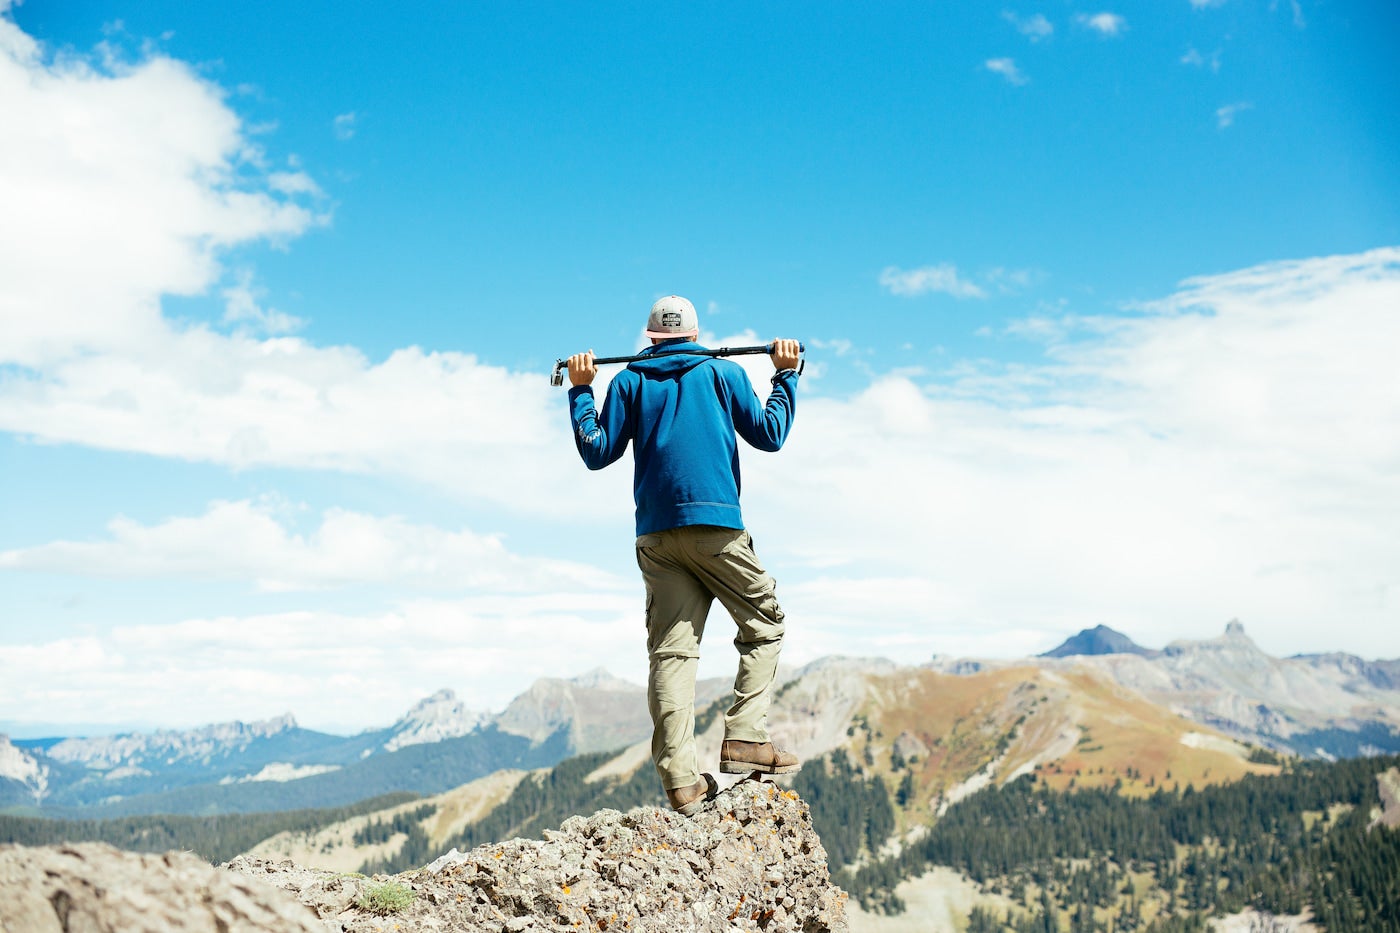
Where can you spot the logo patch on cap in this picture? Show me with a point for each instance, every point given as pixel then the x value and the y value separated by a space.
pixel 671 319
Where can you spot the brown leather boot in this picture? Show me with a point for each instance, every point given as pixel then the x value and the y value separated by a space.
pixel 737 757
pixel 688 801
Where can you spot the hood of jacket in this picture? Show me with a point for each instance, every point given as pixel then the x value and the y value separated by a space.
pixel 669 360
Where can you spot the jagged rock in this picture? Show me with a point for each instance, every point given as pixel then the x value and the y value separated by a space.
pixel 750 862
pixel 94 888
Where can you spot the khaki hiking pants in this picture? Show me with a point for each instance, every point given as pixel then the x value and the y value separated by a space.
pixel 686 569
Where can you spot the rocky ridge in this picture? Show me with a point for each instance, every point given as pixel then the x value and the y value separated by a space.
pixel 750 861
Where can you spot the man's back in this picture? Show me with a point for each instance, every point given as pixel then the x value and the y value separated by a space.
pixel 681 413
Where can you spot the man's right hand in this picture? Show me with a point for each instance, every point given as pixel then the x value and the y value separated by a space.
pixel 582 369
pixel 785 354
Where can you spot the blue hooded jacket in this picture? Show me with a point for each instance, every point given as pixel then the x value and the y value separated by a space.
pixel 681 413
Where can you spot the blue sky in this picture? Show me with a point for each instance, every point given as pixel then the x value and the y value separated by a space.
pixel 1100 301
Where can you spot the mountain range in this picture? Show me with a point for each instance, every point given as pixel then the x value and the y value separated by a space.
pixel 1225 691
pixel 275 764
pixel 1316 705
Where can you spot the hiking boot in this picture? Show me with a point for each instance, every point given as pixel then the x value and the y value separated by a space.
pixel 737 757
pixel 689 801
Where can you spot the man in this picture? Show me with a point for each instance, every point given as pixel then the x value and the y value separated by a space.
pixel 681 413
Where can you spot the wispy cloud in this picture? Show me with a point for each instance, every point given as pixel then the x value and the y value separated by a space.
pixel 243 306
pixel 1034 27
pixel 1011 281
pixel 1109 25
pixel 1195 59
pixel 1225 116
pixel 1205 4
pixel 1297 8
pixel 1006 67
pixel 940 278
pixel 344 125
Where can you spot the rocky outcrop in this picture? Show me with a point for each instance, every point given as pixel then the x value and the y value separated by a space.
pixel 98 889
pixel 749 861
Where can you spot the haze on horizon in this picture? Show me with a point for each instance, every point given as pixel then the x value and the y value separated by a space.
pixel 1101 308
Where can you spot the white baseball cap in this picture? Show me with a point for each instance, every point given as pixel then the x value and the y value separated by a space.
pixel 673 316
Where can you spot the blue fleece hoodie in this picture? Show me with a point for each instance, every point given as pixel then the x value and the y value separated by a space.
pixel 681 413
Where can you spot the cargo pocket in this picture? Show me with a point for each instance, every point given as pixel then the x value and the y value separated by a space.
pixel 734 562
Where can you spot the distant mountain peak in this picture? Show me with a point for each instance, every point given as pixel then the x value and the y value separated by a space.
pixel 600 679
pixel 1098 640
pixel 432 719
pixel 134 748
pixel 1233 642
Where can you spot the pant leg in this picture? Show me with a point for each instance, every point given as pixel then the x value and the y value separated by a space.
pixel 677 604
pixel 726 564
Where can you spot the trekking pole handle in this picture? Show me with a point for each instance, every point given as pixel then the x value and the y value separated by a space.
pixel 556 378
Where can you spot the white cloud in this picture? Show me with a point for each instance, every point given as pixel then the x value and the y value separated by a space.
pixel 121 182
pixel 344 125
pixel 130 182
pixel 1109 25
pixel 940 278
pixel 475 431
pixel 1006 67
pixel 1034 27
pixel 247 541
pixel 1212 455
pixel 328 668
pixel 1225 116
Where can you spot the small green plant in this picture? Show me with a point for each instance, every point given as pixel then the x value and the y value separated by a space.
pixel 386 898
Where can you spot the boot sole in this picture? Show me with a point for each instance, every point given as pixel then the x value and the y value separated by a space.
pixel 749 767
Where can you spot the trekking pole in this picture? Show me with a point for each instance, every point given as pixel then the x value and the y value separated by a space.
pixel 556 378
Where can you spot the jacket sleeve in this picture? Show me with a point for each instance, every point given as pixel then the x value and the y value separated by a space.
pixel 600 440
pixel 764 426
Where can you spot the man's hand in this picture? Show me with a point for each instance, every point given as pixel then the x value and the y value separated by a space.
pixel 582 369
pixel 784 355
